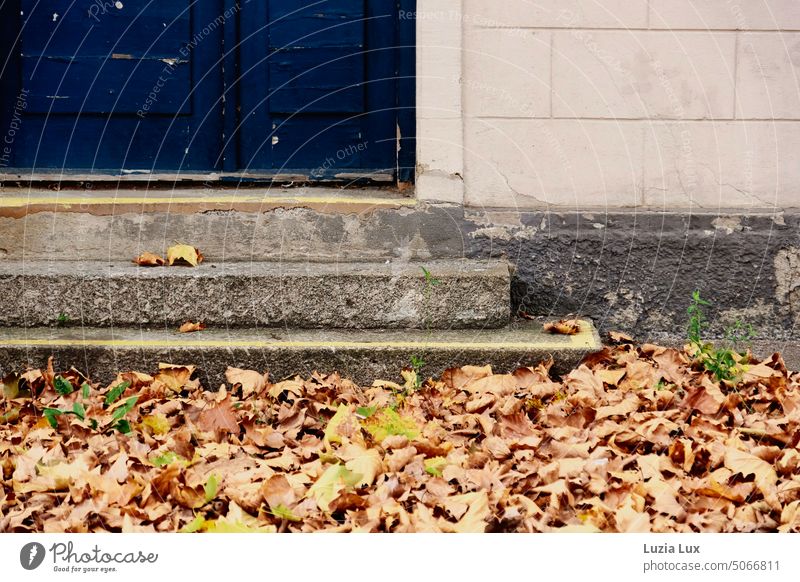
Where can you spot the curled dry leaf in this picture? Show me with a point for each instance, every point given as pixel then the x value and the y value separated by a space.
pixel 190 327
pixel 251 382
pixel 563 327
pixel 149 260
pixel 219 417
pixel 619 337
pixel 181 254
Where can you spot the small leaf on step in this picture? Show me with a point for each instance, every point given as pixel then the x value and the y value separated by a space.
pixel 190 327
pixel 184 255
pixel 149 260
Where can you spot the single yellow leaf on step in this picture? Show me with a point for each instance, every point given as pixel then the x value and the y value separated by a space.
pixel 184 254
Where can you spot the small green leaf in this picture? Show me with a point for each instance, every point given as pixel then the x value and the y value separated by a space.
pixel 283 512
pixel 435 466
pixel 366 411
pixel 211 487
pixel 63 386
pixel 93 423
pixel 195 525
pixel 50 414
pixel 125 408
pixel 166 459
pixel 85 388
pixel 79 411
pixel 123 426
pixel 114 394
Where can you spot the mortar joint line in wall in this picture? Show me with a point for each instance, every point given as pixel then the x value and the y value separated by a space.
pixel 462 75
pixel 644 165
pixel 662 120
pixel 552 61
pixel 735 72
pixel 639 29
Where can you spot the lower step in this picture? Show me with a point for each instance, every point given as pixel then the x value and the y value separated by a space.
pixel 456 294
pixel 363 356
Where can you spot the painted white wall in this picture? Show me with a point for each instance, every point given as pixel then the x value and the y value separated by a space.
pixel 619 103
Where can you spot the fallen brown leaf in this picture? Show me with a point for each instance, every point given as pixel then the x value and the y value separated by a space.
pixel 563 327
pixel 219 417
pixel 149 260
pixel 190 327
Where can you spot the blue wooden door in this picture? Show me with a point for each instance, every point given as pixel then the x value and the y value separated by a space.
pixel 319 87
pixel 254 88
pixel 112 86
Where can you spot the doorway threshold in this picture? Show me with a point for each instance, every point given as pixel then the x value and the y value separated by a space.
pixel 18 201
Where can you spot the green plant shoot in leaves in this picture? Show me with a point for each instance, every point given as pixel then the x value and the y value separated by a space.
pixel 727 362
pixel 62 386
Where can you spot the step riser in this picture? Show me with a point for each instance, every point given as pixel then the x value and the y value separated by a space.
pixel 363 296
pixel 362 357
pixel 354 229
pixel 363 366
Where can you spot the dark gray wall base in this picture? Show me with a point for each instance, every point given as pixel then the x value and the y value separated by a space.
pixel 636 271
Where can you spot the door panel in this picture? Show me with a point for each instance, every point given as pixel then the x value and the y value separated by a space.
pixel 319 87
pixel 90 85
pixel 136 28
pixel 316 80
pixel 110 89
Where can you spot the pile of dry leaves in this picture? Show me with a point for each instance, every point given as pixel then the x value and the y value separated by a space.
pixel 635 439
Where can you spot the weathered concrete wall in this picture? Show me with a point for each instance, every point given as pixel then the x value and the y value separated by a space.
pixel 620 103
pixel 635 271
pixel 625 269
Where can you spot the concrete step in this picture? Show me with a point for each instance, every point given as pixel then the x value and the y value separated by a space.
pixel 228 225
pixel 396 295
pixel 360 355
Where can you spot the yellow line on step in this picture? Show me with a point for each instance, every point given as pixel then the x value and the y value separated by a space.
pixel 69 201
pixel 577 341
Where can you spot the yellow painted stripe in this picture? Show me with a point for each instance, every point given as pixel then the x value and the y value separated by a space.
pixel 68 201
pixel 573 342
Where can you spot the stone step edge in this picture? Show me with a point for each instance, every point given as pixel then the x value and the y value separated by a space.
pixel 363 356
pixel 466 293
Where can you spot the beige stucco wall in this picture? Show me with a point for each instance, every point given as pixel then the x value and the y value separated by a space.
pixel 621 103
